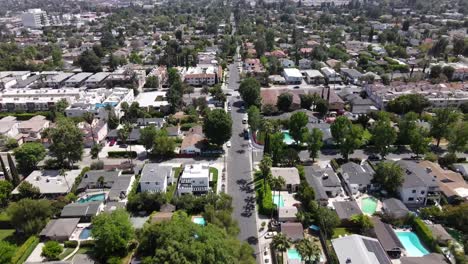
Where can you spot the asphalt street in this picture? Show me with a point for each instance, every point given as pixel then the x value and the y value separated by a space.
pixel 239 168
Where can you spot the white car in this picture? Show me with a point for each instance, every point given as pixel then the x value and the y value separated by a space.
pixel 270 234
pixel 229 108
pixel 228 144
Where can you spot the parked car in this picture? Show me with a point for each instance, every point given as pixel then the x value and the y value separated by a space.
pixel 112 142
pixel 228 144
pixel 269 235
pixel 229 108
pixel 123 146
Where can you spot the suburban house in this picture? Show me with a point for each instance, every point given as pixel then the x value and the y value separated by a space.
pixel 293 230
pixel 357 177
pixel 292 76
pixel 287 63
pixel 351 75
pixel 94 133
pixel 50 183
pixel 394 208
pixel 314 77
pixel 305 64
pixel 290 176
pixel 387 238
pixel 462 168
pixel 359 249
pixel 83 211
pixel 346 209
pixel 155 177
pixel 154 121
pixel 420 184
pixel 193 141
pixel 433 258
pixel 287 214
pixel 59 229
pixel 451 184
pixel 90 179
pixel 331 76
pixel 195 179
pixel 120 188
pixel 324 181
pixel 31 129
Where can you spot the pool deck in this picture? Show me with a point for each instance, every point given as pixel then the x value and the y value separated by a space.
pixel 76 233
pixel 362 196
pixel 287 197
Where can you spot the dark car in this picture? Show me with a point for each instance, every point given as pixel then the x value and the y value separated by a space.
pixel 246 134
pixel 112 142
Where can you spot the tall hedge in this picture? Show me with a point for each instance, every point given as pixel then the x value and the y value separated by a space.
pixel 425 234
pixel 23 252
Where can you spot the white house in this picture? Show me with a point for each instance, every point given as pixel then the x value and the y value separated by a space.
pixel 155 177
pixel 292 76
pixel 195 179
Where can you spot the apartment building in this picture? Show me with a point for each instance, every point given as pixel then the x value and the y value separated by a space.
pixel 35 18
pixel 96 79
pixel 201 75
pixel 195 179
pixel 78 79
pixel 30 100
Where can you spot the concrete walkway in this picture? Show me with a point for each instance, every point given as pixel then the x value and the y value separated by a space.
pixel 73 252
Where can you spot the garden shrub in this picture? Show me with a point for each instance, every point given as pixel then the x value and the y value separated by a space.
pixel 25 250
pixel 122 154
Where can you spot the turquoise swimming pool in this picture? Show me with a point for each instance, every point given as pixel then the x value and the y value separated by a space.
pixel 199 220
pixel 294 254
pixel 278 200
pixel 92 198
pixel 85 233
pixel 369 205
pixel 287 139
pixel 412 244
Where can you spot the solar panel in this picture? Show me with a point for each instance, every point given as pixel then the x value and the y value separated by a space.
pixel 374 247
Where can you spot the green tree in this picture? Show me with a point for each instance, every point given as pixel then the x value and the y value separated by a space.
pixel 306 101
pixel 255 118
pixel 314 143
pixel 347 136
pixel 281 243
pixel 297 126
pixel 277 147
pixel 28 156
pixel 147 137
pixel 249 90
pixel 408 103
pixel 270 39
pixel 405 127
pixel 363 221
pixel 442 121
pixel 436 70
pixel 448 71
pixel 7 251
pixel 112 233
pixel 383 135
pixel 29 216
pixel 5 190
pixel 339 128
pixel 124 133
pixel 112 119
pixel 309 250
pixel 89 62
pixel 458 137
pixel 217 126
pixel 88 117
pixel 389 175
pixel 320 105
pixel 52 250
pixel 164 145
pixel 419 141
pixel 152 82
pixel 284 102
pixel 27 190
pixel 13 171
pixel 66 142
pixel 265 168
pixel 57 57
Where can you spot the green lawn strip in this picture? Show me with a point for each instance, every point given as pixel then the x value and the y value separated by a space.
pixel 5 233
pixel 23 252
pixel 341 231
pixel 177 171
pixel 214 179
pixel 170 192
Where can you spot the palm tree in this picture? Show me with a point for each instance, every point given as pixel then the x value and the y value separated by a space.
pixel 309 250
pixel 276 184
pixel 265 167
pixel 89 118
pixel 281 243
pixel 100 182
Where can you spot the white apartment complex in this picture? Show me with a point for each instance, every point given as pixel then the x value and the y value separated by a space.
pixel 201 75
pixel 35 18
pixel 439 95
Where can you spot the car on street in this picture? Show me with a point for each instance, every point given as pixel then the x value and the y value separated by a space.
pixel 112 142
pixel 229 108
pixel 123 146
pixel 296 87
pixel 271 234
pixel 228 144
pixel 246 134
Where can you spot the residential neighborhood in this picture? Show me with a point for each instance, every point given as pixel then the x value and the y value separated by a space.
pixel 215 131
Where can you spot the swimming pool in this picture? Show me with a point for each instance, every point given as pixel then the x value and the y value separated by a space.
pixel 412 244
pixel 369 205
pixel 294 254
pixel 199 220
pixel 92 198
pixel 85 233
pixel 278 200
pixel 287 139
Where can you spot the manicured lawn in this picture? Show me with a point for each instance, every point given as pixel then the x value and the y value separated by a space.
pixel 177 171
pixel 340 231
pixel 214 171
pixel 170 192
pixel 66 252
pixel 5 233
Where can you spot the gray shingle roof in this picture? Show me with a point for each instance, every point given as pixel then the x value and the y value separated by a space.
pixel 60 227
pixel 360 249
pixel 346 209
pixel 153 172
pixel 80 209
pixel 91 177
pixel 120 187
pixel 386 235
pixel 357 174
pixel 395 207
pixel 416 175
